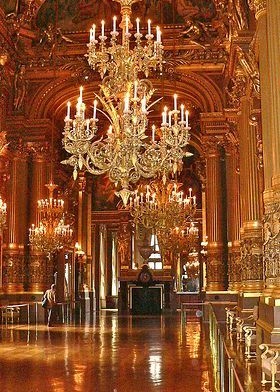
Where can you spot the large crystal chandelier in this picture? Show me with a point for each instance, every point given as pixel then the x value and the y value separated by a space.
pixel 52 233
pixel 125 153
pixel 162 206
pixel 3 213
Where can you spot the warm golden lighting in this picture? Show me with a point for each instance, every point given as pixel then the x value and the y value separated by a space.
pixel 126 153
pixel 3 213
pixel 163 206
pixel 52 233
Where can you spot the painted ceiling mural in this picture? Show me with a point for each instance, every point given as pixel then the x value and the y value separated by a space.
pixel 73 14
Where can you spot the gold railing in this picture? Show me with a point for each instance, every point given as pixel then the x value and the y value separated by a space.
pixel 225 375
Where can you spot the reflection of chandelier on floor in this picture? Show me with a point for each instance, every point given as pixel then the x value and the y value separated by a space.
pixel 52 233
pixel 125 154
pixel 3 213
pixel 163 206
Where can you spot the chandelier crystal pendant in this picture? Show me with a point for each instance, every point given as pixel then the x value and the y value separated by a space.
pixel 126 153
pixel 163 206
pixel 52 233
pixel 3 213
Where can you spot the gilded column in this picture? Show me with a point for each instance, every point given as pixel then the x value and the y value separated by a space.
pixel 251 241
pixel 215 256
pixel 269 48
pixel 14 250
pixel 233 212
pixel 40 267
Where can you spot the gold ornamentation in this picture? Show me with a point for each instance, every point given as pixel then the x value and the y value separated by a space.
pixel 52 233
pixel 258 6
pixel 125 154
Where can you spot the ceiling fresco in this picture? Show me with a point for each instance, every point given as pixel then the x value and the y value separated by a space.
pixel 73 14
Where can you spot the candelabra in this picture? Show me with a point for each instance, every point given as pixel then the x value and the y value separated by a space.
pixel 52 233
pixel 163 206
pixel 125 153
pixel 3 213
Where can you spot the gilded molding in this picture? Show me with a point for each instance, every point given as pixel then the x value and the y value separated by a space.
pixel 258 6
pixel 236 89
pixel 215 270
pixel 271 246
pixel 252 257
pixel 234 268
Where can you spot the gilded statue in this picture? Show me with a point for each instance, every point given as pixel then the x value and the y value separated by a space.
pixel 19 87
pixel 124 239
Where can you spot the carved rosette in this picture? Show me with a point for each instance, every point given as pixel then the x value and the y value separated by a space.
pixel 13 272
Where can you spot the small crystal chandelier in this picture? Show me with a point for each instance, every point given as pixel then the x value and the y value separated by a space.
pixel 3 213
pixel 163 206
pixel 192 265
pixel 126 153
pixel 52 233
pixel 179 239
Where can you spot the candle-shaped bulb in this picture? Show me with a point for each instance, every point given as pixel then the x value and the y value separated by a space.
pixel 149 26
pixel 135 89
pixel 114 24
pixel 182 112
pixel 187 118
pixel 102 28
pixel 92 33
pixel 158 33
pixel 94 108
pixel 175 101
pixel 81 94
pixel 137 25
pixel 68 109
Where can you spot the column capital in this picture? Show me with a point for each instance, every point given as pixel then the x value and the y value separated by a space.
pixel 258 6
pixel 211 145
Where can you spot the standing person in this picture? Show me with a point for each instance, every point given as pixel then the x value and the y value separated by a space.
pixel 51 304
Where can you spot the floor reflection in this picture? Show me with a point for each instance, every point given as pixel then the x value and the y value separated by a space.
pixel 112 354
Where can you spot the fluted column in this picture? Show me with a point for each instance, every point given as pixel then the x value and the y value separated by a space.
pixel 233 215
pixel 269 48
pixel 14 249
pixel 215 257
pixel 251 241
pixel 40 267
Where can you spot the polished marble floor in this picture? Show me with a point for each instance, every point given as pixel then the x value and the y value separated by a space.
pixel 112 353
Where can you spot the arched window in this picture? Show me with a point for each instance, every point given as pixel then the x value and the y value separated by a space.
pixel 154 260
